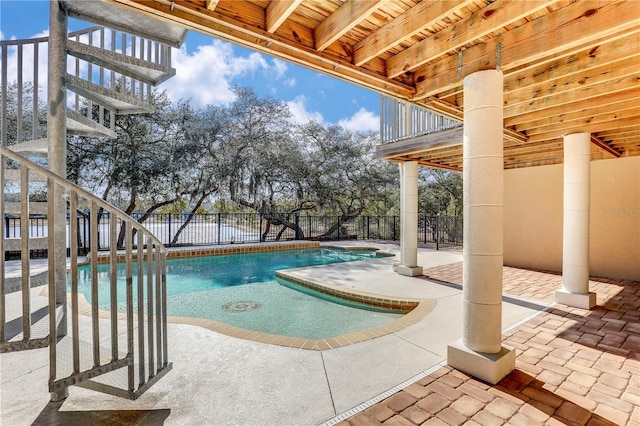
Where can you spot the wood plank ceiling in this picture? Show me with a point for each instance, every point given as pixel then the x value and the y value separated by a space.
pixel 569 65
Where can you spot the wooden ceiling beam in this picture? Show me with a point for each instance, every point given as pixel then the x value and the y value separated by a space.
pixel 605 119
pixel 576 64
pixel 278 12
pixel 604 146
pixel 420 17
pixel 433 165
pixel 562 98
pixel 591 77
pixel 631 122
pixel 479 24
pixel 589 112
pixel 350 14
pixel 576 106
pixel 564 31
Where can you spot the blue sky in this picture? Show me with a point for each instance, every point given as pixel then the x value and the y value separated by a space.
pixel 206 69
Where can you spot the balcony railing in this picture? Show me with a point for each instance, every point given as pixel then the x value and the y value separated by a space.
pixel 400 120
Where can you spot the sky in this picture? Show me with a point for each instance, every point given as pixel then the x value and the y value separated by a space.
pixel 207 69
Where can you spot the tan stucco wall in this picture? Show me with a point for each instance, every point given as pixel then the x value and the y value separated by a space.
pixel 533 218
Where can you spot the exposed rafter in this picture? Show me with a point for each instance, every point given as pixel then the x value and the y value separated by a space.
pixel 278 12
pixel 350 14
pixel 423 15
pixel 565 31
pixel 477 25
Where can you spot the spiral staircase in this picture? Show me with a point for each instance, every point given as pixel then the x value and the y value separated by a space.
pixel 115 344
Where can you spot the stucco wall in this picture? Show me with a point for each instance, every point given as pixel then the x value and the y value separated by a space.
pixel 533 218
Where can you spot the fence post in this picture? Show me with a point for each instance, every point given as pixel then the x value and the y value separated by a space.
pixel 424 225
pixel 297 226
pixel 169 220
pixel 219 225
pixel 438 232
pixel 338 227
pixel 394 228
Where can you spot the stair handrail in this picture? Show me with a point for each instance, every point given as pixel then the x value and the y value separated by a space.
pixel 57 179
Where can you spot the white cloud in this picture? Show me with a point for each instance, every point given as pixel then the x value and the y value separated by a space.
pixel 300 113
pixel 207 74
pixel 361 121
pixel 280 68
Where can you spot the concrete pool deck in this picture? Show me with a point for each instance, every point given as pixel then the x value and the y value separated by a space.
pixel 221 380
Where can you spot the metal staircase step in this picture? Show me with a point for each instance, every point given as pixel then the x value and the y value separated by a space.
pixel 120 18
pixel 35 207
pixel 32 148
pixel 117 102
pixel 145 71
pixel 78 124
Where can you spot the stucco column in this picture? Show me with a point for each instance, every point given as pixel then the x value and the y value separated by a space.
pixel 575 233
pixel 480 351
pixel 409 220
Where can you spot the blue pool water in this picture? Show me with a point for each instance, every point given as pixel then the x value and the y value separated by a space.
pixel 241 290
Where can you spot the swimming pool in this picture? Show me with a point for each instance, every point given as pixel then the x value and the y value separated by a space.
pixel 241 290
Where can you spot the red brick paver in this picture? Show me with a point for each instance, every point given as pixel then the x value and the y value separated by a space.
pixel 573 366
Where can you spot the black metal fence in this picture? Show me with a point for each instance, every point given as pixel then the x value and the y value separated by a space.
pixel 229 228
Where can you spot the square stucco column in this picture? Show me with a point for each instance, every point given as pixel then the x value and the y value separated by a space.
pixel 480 352
pixel 408 220
pixel 575 226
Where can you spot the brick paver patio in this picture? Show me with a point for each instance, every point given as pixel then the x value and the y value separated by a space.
pixel 573 366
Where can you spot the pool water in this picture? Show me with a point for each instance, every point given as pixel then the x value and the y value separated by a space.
pixel 241 290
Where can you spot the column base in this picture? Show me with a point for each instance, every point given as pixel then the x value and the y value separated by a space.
pixel 409 271
pixel 488 367
pixel 576 300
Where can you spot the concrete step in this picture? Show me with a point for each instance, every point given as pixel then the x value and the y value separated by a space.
pixel 32 148
pixel 35 207
pixel 78 124
pixel 145 71
pixel 117 102
pixel 123 19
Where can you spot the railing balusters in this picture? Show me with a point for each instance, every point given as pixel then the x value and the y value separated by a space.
pixel 94 284
pixel 150 336
pixel 113 276
pixel 163 295
pixel 24 253
pixel 19 96
pixel 129 294
pixel 75 328
pixel 141 349
pixel 159 311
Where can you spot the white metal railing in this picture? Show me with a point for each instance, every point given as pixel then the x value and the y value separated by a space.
pixel 400 120
pixel 142 320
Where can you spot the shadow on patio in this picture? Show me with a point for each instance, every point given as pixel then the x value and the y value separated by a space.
pixel 573 366
pixel 53 415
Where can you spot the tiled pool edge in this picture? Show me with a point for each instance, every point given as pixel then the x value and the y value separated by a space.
pixel 185 252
